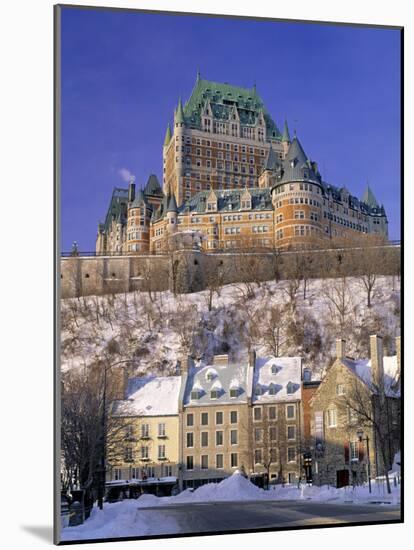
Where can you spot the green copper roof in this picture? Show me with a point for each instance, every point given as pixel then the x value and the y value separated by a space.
pixel 286 135
pixel 222 98
pixel 179 115
pixel 167 138
pixel 117 207
pixel 369 198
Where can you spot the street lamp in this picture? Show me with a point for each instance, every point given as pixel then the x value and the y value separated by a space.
pixel 360 433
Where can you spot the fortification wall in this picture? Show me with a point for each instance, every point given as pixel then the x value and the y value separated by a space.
pixel 187 270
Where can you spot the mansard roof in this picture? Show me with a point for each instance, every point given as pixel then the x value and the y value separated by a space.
pixel 228 200
pixel 117 207
pixel 223 98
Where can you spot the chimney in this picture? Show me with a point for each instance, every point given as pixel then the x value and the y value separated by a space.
pixel 398 348
pixel 221 360
pixel 252 358
pixel 131 192
pixel 377 362
pixel 340 348
pixel 185 364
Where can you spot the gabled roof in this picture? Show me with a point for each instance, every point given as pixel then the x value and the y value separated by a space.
pixel 152 186
pixel 362 368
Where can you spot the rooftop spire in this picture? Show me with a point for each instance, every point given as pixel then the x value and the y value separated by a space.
pixel 198 75
pixel 369 197
pixel 179 114
pixel 286 135
pixel 167 138
pixel 271 161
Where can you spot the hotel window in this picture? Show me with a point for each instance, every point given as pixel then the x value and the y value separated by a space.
pixel 279 218
pixel 332 418
pixel 219 461
pixel 190 463
pixel 233 417
pixel 233 437
pixel 299 214
pixel 234 460
pixel 273 433
pixel 291 432
pixel 290 412
pixel 291 454
pixel 219 417
pixel 161 452
pixel 190 440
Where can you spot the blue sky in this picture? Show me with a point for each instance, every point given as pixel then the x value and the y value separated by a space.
pixel 123 71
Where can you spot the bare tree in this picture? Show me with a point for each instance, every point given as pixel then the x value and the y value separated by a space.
pixel 273 329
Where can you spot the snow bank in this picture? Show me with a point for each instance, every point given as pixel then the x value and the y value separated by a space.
pixel 120 519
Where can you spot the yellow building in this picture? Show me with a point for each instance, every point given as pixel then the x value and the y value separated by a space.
pixel 143 435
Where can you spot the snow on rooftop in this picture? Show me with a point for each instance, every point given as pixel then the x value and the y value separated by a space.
pixel 150 396
pixel 362 368
pixel 288 373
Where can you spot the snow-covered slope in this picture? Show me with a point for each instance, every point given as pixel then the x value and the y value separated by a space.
pixel 156 332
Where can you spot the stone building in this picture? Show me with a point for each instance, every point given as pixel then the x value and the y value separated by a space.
pixel 277 419
pixel 355 408
pixel 232 175
pixel 215 420
pixel 142 452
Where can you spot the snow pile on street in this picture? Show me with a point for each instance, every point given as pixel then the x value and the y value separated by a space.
pixel 120 519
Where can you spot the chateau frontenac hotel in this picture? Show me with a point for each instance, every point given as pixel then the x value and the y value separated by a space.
pixel 234 180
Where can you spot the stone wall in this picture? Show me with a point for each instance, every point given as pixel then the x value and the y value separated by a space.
pixel 188 270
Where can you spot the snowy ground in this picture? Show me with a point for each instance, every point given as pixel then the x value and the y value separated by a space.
pixel 132 325
pixel 123 519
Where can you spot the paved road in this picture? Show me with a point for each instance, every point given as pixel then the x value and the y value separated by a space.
pixel 229 516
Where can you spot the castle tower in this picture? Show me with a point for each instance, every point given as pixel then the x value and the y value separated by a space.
pixel 139 216
pixel 171 214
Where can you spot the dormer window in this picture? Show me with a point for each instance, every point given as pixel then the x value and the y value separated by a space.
pixel 211 206
pixel 234 392
pixel 258 390
pixel 275 369
pixel 272 389
pixel 292 163
pixel 214 394
pixel 246 204
pixel 290 388
pixel 195 394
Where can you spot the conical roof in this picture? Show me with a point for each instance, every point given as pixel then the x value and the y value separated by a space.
pixel 172 204
pixel 271 161
pixel 139 199
pixel 152 186
pixel 167 138
pixel 369 198
pixel 296 152
pixel 179 115
pixel 286 135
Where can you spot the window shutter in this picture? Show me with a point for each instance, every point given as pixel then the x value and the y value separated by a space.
pixel 346 452
pixel 361 451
